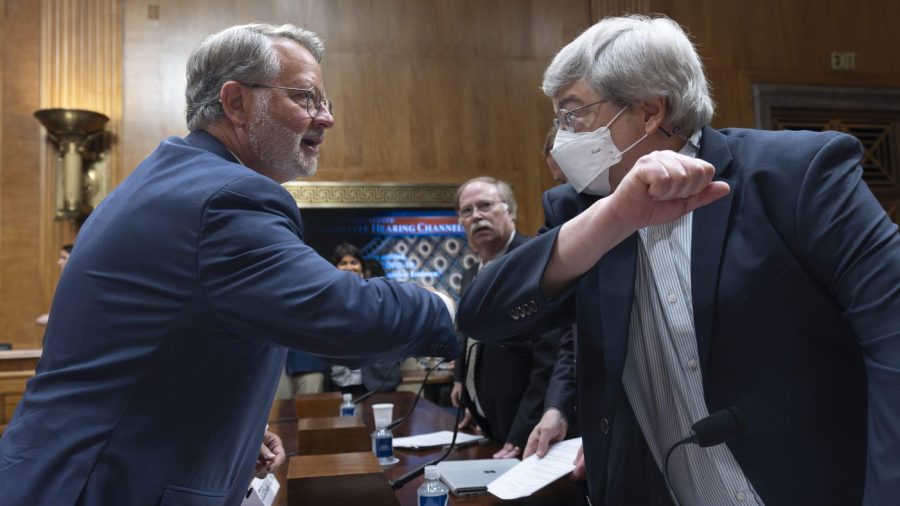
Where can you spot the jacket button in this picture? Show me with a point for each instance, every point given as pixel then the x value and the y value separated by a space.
pixel 604 426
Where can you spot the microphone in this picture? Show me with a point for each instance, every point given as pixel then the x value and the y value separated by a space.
pixel 717 428
pixel 418 396
pixel 399 482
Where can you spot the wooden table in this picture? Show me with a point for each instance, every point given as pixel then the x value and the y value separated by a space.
pixel 427 417
pixel 19 360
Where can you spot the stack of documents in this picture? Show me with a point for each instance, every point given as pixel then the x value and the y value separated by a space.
pixel 434 439
pixel 534 474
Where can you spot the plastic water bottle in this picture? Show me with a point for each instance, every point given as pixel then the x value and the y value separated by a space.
pixel 347 406
pixel 382 438
pixel 433 492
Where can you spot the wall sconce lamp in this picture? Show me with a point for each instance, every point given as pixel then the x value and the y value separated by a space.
pixel 81 175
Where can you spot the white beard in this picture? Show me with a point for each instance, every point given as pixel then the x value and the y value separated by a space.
pixel 279 148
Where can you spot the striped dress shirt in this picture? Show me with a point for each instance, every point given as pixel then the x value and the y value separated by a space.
pixel 662 376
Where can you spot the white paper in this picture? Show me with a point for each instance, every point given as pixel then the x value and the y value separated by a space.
pixel 262 492
pixel 440 438
pixel 534 474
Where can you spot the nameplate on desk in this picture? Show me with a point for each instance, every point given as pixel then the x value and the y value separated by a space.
pixel 340 478
pixel 336 434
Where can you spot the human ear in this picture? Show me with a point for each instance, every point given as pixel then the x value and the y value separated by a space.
pixel 235 99
pixel 654 113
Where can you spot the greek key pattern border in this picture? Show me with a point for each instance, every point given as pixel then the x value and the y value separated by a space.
pixel 343 195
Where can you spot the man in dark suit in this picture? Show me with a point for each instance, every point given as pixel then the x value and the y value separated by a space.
pixel 502 387
pixel 172 319
pixel 781 298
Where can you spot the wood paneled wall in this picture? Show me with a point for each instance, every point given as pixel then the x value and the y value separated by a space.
pixel 424 91
pixel 430 91
pixel 776 41
pixel 57 53
pixel 23 236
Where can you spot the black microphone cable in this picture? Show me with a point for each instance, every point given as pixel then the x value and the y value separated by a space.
pixel 403 480
pixel 418 395
pixel 378 388
pixel 666 467
pixel 715 429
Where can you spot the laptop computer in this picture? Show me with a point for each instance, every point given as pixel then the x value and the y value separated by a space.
pixel 466 477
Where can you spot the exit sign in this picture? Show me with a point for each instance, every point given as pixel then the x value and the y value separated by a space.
pixel 843 61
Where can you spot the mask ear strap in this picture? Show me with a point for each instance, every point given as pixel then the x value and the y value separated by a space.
pixel 633 144
pixel 616 117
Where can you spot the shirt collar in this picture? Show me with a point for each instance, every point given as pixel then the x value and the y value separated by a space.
pixel 482 264
pixel 692 146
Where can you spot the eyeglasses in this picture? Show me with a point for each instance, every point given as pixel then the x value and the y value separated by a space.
pixel 483 207
pixel 565 120
pixel 315 99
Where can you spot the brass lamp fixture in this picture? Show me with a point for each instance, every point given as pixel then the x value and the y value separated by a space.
pixel 81 175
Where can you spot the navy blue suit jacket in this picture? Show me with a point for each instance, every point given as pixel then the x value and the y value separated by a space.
pixel 796 294
pixel 169 331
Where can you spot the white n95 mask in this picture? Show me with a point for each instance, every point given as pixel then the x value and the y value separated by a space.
pixel 585 157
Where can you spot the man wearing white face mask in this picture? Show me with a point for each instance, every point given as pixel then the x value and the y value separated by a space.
pixel 781 298
pixel 587 156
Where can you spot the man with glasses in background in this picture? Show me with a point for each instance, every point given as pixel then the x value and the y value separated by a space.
pixel 172 319
pixel 501 387
pixel 781 298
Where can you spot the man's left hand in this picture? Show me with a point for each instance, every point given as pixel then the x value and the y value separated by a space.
pixel 509 451
pixel 271 455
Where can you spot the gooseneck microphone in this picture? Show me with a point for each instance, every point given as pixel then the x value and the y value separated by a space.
pixel 399 482
pixel 717 428
pixel 418 396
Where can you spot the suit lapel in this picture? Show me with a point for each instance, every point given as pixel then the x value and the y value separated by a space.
pixel 707 242
pixel 615 279
pixel 467 276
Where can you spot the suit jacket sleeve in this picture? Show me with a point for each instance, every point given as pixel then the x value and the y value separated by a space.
pixel 505 300
pixel 561 390
pixel 845 240
pixel 264 283
pixel 530 408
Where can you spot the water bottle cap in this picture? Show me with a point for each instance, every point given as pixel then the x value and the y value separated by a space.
pixel 432 473
pixel 348 397
pixel 384 414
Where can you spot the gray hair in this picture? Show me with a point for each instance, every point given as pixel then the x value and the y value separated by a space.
pixel 502 187
pixel 241 53
pixel 633 58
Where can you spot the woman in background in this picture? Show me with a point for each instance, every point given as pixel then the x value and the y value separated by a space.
pixel 386 376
